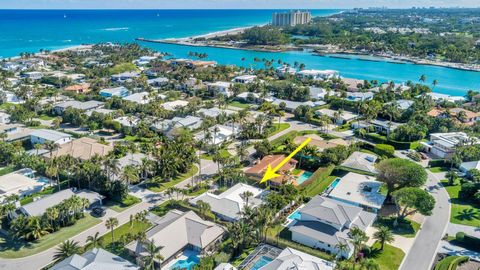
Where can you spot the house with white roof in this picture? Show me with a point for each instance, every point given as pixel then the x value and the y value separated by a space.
pixel 174 105
pixel 120 91
pixel 42 136
pixel 215 112
pixel 359 190
pixel 320 93
pixel 324 223
pixel 218 134
pixel 225 266
pixel 86 106
pixel 292 259
pixel 316 74
pixel 95 259
pixel 38 207
pixel 443 145
pixel 229 204
pixel 380 125
pixel 284 70
pixel 403 104
pixel 125 76
pixel 444 97
pixel 21 183
pixel 15 132
pixel 138 98
pixel 4 118
pixel 359 96
pixel 338 117
pixel 465 167
pixel 128 121
pixel 292 105
pixel 222 88
pixel 360 161
pixel 244 79
pixel 33 75
pixel 10 97
pixel 144 60
pixel 169 127
pixel 177 232
pixel 251 97
pixel 158 82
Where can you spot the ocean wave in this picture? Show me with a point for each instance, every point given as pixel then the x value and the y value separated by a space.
pixel 67 40
pixel 115 29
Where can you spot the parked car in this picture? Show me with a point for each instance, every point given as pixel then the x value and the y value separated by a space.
pixel 99 211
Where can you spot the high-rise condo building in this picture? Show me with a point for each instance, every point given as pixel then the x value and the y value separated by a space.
pixel 291 18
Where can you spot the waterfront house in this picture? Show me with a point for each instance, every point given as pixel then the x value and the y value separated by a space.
pixel 20 183
pixel 120 91
pixel 292 259
pixel 38 207
pixel 324 223
pixel 86 106
pixel 285 70
pixel 338 117
pixel 464 116
pixel 359 190
pixel 78 88
pixel 258 170
pixel 41 136
pixel 223 88
pixel 361 162
pixel 94 259
pixel 244 79
pixel 314 74
pixel 124 77
pixel 83 148
pixel 177 232
pixel 229 204
pixel 443 97
pixel 443 145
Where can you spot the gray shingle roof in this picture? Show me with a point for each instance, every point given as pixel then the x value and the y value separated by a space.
pixel 95 259
pixel 330 210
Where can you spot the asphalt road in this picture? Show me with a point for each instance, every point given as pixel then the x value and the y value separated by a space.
pixel 426 243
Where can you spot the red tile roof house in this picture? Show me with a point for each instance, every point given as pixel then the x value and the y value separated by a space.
pixel 257 171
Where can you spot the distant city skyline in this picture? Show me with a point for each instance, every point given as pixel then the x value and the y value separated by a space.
pixel 228 4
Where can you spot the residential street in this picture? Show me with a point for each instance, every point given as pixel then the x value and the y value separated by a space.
pixel 423 251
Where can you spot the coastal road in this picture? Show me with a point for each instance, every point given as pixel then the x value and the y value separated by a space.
pixel 426 243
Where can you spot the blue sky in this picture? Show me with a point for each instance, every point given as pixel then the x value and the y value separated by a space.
pixel 226 4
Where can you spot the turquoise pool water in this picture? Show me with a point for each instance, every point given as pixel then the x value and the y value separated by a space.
pixel 334 183
pixel 295 215
pixel 187 264
pixel 261 263
pixel 42 179
pixel 304 177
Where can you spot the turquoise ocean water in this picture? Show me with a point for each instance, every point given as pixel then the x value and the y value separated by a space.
pixel 29 31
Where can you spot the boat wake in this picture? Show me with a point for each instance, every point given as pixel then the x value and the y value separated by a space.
pixel 115 29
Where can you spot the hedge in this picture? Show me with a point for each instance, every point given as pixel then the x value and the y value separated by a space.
pixel 438 163
pixel 374 137
pixel 384 150
pixel 450 262
pixel 467 241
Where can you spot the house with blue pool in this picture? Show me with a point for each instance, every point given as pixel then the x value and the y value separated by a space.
pixel 323 223
pixel 183 236
pixel 120 91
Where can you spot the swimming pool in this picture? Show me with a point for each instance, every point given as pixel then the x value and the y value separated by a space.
pixel 44 180
pixel 295 215
pixel 187 264
pixel 304 177
pixel 264 260
pixel 334 183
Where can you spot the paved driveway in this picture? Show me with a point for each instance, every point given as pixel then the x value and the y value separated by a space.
pixel 426 243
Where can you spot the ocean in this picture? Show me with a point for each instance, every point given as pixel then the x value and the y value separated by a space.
pixel 32 30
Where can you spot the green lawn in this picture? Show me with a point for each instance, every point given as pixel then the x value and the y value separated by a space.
pixel 123 67
pixel 462 212
pixel 279 127
pixel 124 229
pixel 128 202
pixel 223 153
pixel 46 117
pixel 17 249
pixel 406 228
pixel 7 170
pixel 162 209
pixel 241 105
pixel 46 191
pixel 319 181
pixel 163 186
pixel 438 169
pixel 388 259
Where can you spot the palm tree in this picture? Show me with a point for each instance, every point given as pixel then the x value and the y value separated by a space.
pixel 434 83
pixel 384 235
pixel 66 249
pixel 153 254
pixel 342 248
pixel 369 264
pixel 245 196
pixel 358 239
pixel 94 240
pixel 111 223
pixel 35 228
pixel 423 78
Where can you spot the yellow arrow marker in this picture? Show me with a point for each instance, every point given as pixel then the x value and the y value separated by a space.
pixel 271 173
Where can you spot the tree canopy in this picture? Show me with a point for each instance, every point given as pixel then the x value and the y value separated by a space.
pixel 397 173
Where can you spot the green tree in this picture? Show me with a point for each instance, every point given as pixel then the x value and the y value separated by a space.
pixel 384 235
pixel 397 173
pixel 153 254
pixel 111 223
pixel 66 249
pixel 414 199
